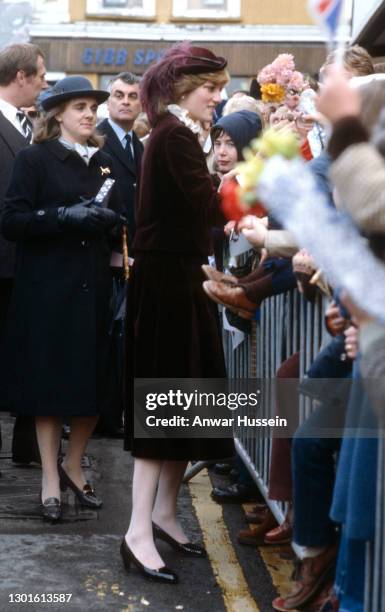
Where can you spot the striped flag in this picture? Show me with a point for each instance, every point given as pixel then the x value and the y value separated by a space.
pixel 326 13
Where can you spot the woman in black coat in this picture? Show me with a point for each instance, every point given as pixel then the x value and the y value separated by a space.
pixel 57 333
pixel 173 327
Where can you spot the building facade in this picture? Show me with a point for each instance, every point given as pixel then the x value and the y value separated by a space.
pixel 99 38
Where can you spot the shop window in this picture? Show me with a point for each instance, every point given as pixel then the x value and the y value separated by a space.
pixel 207 8
pixel 122 8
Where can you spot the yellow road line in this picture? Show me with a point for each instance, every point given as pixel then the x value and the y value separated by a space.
pixel 279 569
pixel 219 548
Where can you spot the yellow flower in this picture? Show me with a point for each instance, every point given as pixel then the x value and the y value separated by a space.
pixel 249 171
pixel 272 92
pixel 276 143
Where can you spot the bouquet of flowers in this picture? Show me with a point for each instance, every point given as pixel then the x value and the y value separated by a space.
pixel 279 78
pixel 239 197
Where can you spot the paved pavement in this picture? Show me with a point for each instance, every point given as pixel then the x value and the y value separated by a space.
pixel 80 556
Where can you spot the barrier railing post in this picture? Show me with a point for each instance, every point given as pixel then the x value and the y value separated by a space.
pixel 287 324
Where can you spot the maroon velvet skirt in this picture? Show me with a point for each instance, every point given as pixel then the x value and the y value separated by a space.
pixel 172 332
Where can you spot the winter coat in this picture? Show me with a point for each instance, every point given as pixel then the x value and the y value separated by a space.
pixel 57 331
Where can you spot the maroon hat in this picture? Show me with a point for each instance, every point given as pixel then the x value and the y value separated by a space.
pixel 200 60
pixel 159 80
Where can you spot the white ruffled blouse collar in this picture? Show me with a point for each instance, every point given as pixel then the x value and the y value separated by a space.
pixel 183 116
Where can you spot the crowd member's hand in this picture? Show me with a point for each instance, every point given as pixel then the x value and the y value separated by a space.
pixel 320 119
pixel 264 256
pixel 361 317
pixel 304 124
pixel 335 323
pixel 227 177
pixel 351 341
pixel 229 227
pixel 337 99
pixel 254 230
pixel 286 127
pixel 264 221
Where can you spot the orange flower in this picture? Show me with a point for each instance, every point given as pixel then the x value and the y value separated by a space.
pixel 272 92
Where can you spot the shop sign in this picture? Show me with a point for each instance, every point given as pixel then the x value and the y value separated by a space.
pixel 119 56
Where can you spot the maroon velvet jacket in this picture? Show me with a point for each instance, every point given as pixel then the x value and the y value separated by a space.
pixel 177 203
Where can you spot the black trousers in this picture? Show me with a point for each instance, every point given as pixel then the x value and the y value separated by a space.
pixel 24 443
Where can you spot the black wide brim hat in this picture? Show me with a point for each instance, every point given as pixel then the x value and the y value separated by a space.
pixel 69 88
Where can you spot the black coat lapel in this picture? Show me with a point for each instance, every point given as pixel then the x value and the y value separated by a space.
pixel 11 136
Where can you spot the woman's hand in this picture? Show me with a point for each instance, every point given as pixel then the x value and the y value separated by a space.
pixel 351 342
pixel 337 98
pixel 109 217
pixel 86 217
pixel 254 230
pixel 80 217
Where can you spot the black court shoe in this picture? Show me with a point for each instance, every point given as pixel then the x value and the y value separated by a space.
pixel 188 548
pixel 86 496
pixel 163 574
pixel 51 509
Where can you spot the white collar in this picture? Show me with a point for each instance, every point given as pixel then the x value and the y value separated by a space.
pixel 8 109
pixel 10 112
pixel 119 131
pixel 84 151
pixel 182 114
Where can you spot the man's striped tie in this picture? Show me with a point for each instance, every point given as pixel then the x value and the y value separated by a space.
pixel 26 125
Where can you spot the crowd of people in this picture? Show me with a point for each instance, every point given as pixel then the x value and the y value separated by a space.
pixel 102 282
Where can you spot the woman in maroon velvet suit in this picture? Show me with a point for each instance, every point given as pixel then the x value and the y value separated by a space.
pixel 173 329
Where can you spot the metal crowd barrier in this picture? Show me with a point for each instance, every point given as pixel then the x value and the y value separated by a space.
pixel 287 324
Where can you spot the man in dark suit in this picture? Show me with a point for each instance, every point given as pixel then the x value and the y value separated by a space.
pixel 22 77
pixel 126 150
pixel 121 143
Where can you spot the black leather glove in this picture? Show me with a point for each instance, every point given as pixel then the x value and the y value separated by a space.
pixel 85 216
pixel 108 217
pixel 80 217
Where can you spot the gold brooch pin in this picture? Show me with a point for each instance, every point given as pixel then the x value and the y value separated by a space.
pixel 105 170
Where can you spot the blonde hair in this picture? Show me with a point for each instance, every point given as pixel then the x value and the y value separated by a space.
pixel 356 60
pixel 188 82
pixel 239 103
pixel 47 127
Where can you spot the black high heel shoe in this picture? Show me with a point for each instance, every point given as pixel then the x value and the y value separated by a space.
pixel 85 496
pixel 51 509
pixel 163 574
pixel 188 548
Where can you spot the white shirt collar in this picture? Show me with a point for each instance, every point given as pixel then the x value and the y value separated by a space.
pixel 84 151
pixel 10 112
pixel 119 131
